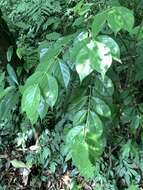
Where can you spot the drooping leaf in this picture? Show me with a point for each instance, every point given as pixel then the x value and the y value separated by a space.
pixel 62 73
pixel 49 55
pixel 49 88
pixel 8 103
pixel 43 108
pixel 12 73
pixel 30 102
pixel 98 23
pixel 9 53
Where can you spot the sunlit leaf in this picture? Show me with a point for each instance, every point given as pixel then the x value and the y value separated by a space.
pixel 94 124
pixel 18 164
pixel 101 58
pixel 120 18
pixel 111 44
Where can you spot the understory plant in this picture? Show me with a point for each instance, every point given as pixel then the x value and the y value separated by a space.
pixel 78 95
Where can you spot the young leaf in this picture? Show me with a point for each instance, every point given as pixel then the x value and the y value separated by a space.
pixel 18 164
pixel 30 102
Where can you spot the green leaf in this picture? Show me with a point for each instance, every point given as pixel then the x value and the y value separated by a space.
pixel 9 53
pixel 34 79
pixel 101 107
pixel 62 73
pixel 47 84
pixel 98 23
pixel 93 56
pixel 80 42
pixel 49 88
pixel 80 157
pixel 83 69
pixel 101 58
pixel 70 138
pixel 120 18
pixel 104 86
pixel 6 91
pixel 112 45
pixel 30 102
pixel 93 137
pixel 94 124
pixel 8 103
pixel 132 187
pixel 95 147
pixel 135 123
pixel 18 164
pixel 138 32
pixel 43 108
pixel 12 73
pixel 49 54
pixel 77 104
pixel 79 117
pixel 53 36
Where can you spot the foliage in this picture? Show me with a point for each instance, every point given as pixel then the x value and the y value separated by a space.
pixel 76 102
